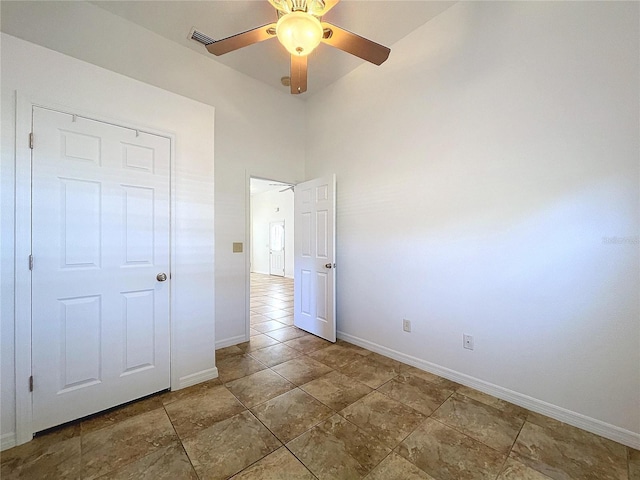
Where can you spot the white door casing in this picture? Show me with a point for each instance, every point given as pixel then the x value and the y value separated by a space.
pixel 276 248
pixel 314 257
pixel 100 237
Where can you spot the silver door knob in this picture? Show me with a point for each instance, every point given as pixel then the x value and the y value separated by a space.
pixel 161 277
pixel 327 265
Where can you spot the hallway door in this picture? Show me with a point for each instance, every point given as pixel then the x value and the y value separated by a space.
pixel 276 248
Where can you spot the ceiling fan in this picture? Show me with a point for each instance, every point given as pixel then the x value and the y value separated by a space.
pixel 300 30
pixel 287 185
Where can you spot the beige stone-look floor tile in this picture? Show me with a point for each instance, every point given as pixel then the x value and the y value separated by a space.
pixel 384 418
pixel 502 405
pixel 430 377
pixel 568 452
pixel 447 454
pixel 256 342
pixel 514 470
pixel 112 447
pixel 336 390
pixel 256 318
pixel 288 320
pixel 368 371
pixel 335 356
pixel 353 348
pixel 486 424
pixel 263 309
pixel 291 414
pixel 277 314
pixel 253 332
pixel 265 327
pixel 259 387
pixel 227 352
pixel 53 455
pixel 193 414
pixel 275 298
pixel 229 446
pixel 337 449
pixel 238 366
pixel 193 391
pixel 544 421
pixel 282 296
pixel 394 467
pixel 274 302
pixel 387 362
pixel 302 370
pixel 115 415
pixel 634 464
pixel 275 354
pixel 287 333
pixel 308 343
pixel 416 392
pixel 168 463
pixel 279 465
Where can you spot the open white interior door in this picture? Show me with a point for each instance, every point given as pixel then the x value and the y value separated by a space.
pixel 314 257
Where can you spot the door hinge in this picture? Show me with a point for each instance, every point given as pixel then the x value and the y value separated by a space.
pixel 31 383
pixel 30 262
pixel 31 140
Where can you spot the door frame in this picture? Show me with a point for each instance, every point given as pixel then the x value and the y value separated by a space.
pixel 247 242
pixel 23 297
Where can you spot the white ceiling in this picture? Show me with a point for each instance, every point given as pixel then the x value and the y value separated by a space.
pixel 384 22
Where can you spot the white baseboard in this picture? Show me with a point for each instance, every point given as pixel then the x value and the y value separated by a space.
pixel 198 377
pixel 7 441
pixel 227 342
pixel 612 432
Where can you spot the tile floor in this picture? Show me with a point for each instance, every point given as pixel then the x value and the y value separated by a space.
pixel 289 405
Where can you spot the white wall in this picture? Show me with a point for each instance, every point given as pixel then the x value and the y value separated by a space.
pixel 247 143
pixel 267 207
pixel 250 119
pixel 60 80
pixel 478 171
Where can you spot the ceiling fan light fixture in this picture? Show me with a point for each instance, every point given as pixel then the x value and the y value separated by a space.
pixel 299 32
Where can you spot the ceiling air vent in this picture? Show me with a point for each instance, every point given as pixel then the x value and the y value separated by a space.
pixel 201 37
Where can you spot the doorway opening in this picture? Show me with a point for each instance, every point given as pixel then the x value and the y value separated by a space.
pixel 271 241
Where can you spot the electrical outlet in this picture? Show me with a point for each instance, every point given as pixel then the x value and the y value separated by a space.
pixel 406 325
pixel 467 342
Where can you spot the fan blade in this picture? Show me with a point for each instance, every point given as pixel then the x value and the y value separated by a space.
pixel 298 74
pixel 281 5
pixel 321 7
pixel 354 44
pixel 229 44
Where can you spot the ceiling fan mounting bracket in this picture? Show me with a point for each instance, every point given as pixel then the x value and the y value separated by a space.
pixel 327 33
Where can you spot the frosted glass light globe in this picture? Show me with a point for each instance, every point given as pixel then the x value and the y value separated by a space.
pixel 299 33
